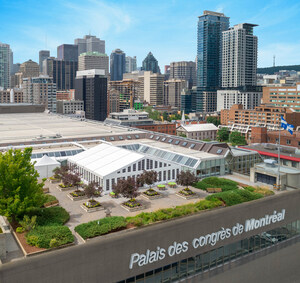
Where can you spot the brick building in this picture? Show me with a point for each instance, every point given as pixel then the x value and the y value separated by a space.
pixel 285 96
pixel 261 115
pixel 261 135
pixel 11 96
pixel 160 127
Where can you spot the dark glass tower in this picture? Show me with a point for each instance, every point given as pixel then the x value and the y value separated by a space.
pixel 209 49
pixel 117 65
pixel 150 64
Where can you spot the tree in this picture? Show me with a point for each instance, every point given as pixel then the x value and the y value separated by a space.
pixel 223 134
pixel 20 190
pixel 214 120
pixel 186 178
pixel 148 178
pixel 236 138
pixel 165 116
pixel 127 188
pixel 71 179
pixel 91 189
pixel 59 172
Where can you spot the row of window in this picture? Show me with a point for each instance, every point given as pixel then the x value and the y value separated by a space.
pixel 57 153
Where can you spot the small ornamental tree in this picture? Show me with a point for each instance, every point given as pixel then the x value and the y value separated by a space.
pixel 20 190
pixel 126 188
pixel 148 177
pixel 186 178
pixel 90 189
pixel 223 135
pixel 213 120
pixel 59 172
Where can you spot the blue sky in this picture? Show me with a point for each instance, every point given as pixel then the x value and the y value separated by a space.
pixel 165 27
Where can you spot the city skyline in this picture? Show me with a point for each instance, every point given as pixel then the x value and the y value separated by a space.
pixel 169 30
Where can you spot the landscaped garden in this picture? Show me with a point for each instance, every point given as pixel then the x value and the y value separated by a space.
pixel 151 194
pixel 187 193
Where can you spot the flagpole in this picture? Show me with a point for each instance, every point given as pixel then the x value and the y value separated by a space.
pixel 278 178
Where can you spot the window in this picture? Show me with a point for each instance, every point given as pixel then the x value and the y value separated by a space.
pixel 155 164
pixel 124 170
pixel 112 138
pixel 121 138
pixel 164 176
pixel 177 142
pixel 140 165
pixel 163 139
pixel 184 144
pixel 192 145
pixel 219 151
pixel 107 184
pixel 137 136
pixel 129 137
pixel 151 137
pixel 170 140
pixel 288 141
pixel 134 167
pixel 157 138
pixel 129 169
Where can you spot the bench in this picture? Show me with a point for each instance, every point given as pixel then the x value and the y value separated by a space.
pixel 214 190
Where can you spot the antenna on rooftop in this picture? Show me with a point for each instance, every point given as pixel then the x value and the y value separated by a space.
pixel 274 60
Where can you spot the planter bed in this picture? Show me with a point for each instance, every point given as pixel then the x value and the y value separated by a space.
pixel 76 195
pixel 187 194
pixel 65 189
pixel 46 190
pixel 135 205
pixel 161 187
pixel 95 206
pixel 172 185
pixel 54 181
pixel 51 203
pixel 151 194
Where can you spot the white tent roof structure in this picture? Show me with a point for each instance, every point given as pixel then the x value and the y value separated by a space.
pixel 46 161
pixel 105 159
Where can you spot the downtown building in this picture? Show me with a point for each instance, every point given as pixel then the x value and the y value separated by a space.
pixel 239 65
pixel 150 64
pixel 151 88
pixel 14 95
pixel 40 90
pixel 43 54
pixel 63 72
pixel 67 52
pixel 91 88
pixel 172 92
pixel 5 52
pixel 117 65
pixel 93 60
pixel 90 43
pixel 184 70
pixel 130 64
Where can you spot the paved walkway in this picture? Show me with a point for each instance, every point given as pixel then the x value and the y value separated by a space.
pixel 78 215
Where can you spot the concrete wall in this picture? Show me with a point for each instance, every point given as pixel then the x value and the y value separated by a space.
pixel 106 259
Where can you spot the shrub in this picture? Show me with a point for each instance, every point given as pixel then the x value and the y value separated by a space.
pixel 101 227
pixel 215 182
pixel 235 196
pixel 50 216
pixel 41 236
pixel 260 190
pixel 49 198
pixel 20 230
pixel 28 223
pixel 53 243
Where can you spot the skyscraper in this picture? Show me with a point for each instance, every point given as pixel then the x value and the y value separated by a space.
pixel 150 64
pixel 93 60
pixel 130 64
pixel 91 87
pixel 239 56
pixel 68 52
pixel 90 43
pixel 43 54
pixel 172 91
pixel 63 72
pixel 117 65
pixel 209 49
pixel 184 70
pixel 29 69
pixel 4 65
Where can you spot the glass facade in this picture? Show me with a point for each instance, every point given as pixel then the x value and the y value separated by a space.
pixel 217 257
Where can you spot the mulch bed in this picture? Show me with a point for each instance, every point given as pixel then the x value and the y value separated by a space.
pixel 21 237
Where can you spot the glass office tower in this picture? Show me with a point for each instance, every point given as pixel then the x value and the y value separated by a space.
pixel 209 49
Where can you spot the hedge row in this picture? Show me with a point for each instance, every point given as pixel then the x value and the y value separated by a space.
pixel 215 182
pixel 49 236
pixel 101 227
pixel 235 196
